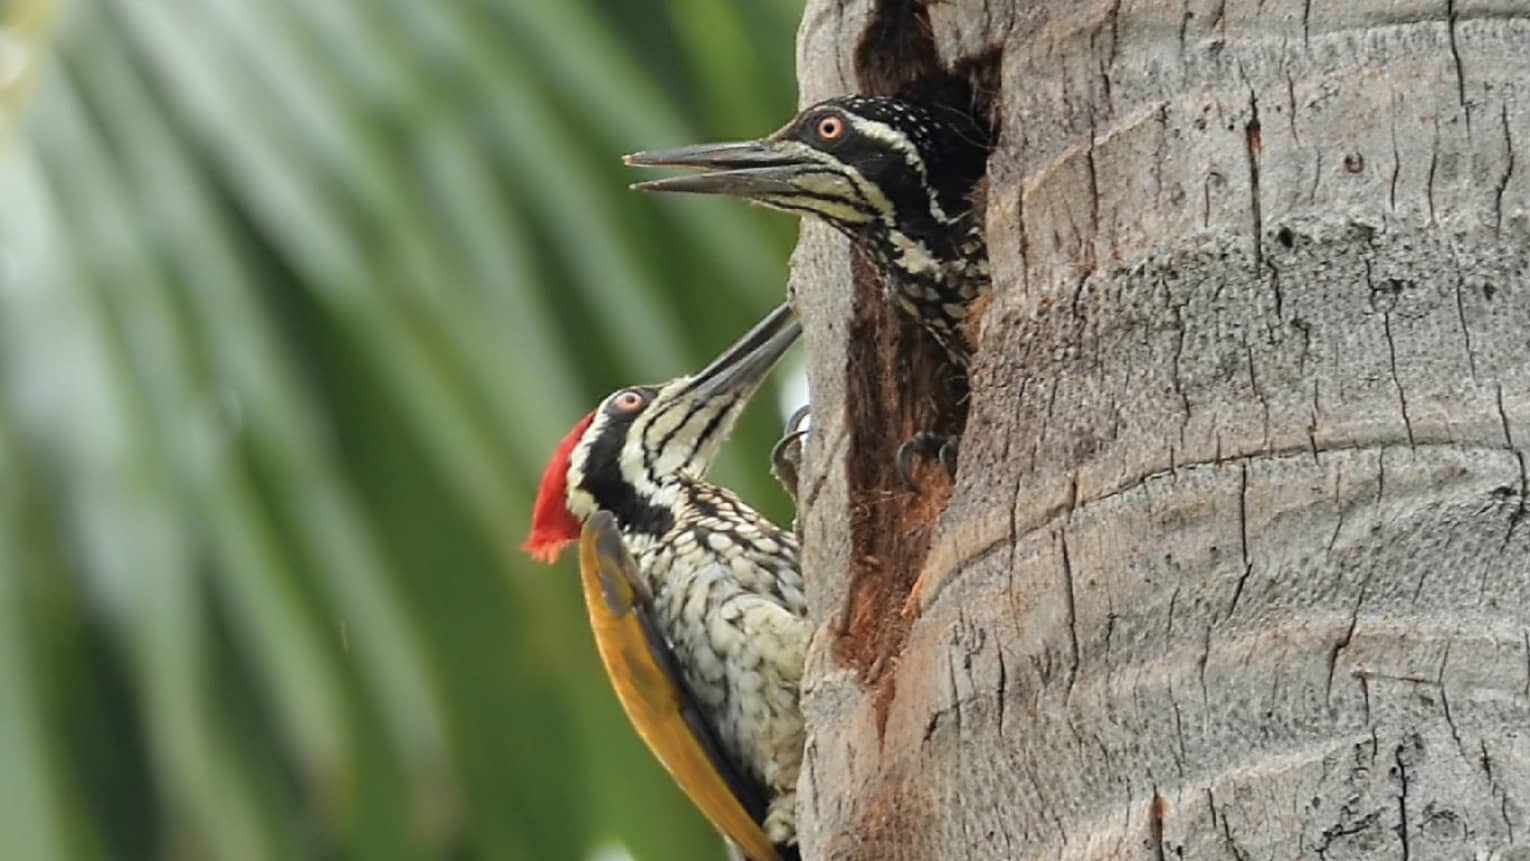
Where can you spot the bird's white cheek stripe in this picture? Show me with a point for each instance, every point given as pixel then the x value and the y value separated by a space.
pixel 672 436
pixel 579 501
pixel 634 471
pixel 865 188
pixel 911 156
pixel 834 210
pixel 872 194
pixel 893 138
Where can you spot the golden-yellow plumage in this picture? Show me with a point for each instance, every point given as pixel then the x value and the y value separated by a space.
pixel 648 690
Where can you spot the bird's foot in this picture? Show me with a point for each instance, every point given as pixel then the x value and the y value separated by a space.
pixel 926 444
pixel 786 456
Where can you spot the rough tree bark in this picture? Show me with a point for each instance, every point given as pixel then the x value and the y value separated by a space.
pixel 1238 560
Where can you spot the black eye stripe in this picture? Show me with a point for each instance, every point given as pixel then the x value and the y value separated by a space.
pixel 706 432
pixel 649 451
pixel 603 480
pixel 790 204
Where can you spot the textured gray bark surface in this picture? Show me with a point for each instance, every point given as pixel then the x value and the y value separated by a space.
pixel 1237 564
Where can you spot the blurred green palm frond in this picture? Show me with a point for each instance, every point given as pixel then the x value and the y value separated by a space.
pixel 295 298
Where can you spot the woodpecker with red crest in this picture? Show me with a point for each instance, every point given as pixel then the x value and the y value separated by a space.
pixel 901 179
pixel 695 598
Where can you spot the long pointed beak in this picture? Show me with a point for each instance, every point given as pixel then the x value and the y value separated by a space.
pixel 741 169
pixel 743 367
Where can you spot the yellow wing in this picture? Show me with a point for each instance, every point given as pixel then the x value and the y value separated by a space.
pixel 641 669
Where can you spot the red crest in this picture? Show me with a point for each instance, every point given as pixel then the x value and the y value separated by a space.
pixel 552 525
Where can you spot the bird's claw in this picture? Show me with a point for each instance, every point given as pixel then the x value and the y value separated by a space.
pixel 786 455
pixel 794 422
pixel 926 444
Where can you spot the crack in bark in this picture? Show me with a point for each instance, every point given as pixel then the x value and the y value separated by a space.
pixel 1402 395
pixel 1184 26
pixel 1503 811
pixel 1168 634
pixel 1508 170
pixel 1248 566
pixel 1315 414
pixel 1110 630
pixel 1091 254
pixel 1003 689
pixel 1111 22
pixel 1381 475
pixel 1046 805
pixel 1014 505
pixel 1068 593
pixel 1365 702
pixel 1434 163
pixel 1183 753
pixel 1466 332
pixel 1396 156
pixel 1455 53
pixel 1253 140
pixel 1524 475
pixel 1201 673
pixel 1296 137
pixel 1495 788
pixel 1317 175
pixel 811 754
pixel 1402 799
pixel 1526 634
pixel 1280 300
pixel 1359 826
pixel 1253 382
pixel 1179 352
pixel 1391 290
pixel 1228 838
pixel 1349 635
pixel 1212 177
pixel 1450 721
pixel 1418 586
pixel 956 697
pixel 1160 152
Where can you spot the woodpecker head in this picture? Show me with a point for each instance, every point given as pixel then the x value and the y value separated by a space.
pixel 893 174
pixel 635 452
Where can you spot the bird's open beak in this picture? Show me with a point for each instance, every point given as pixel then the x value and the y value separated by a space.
pixel 744 169
pixel 743 367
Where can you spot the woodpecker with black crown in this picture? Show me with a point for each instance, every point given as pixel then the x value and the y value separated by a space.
pixel 695 598
pixel 899 178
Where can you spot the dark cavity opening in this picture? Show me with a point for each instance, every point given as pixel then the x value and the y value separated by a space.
pixel 898 380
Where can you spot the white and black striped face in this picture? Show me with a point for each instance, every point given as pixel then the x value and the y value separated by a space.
pixel 866 164
pixel 903 166
pixel 642 442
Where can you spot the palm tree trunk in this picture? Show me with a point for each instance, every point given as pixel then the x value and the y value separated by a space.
pixel 1237 564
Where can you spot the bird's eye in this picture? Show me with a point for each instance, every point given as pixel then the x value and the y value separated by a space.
pixel 629 401
pixel 830 128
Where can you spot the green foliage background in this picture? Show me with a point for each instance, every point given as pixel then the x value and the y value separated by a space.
pixel 295 298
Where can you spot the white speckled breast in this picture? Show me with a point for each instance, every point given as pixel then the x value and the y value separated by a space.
pixel 728 594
